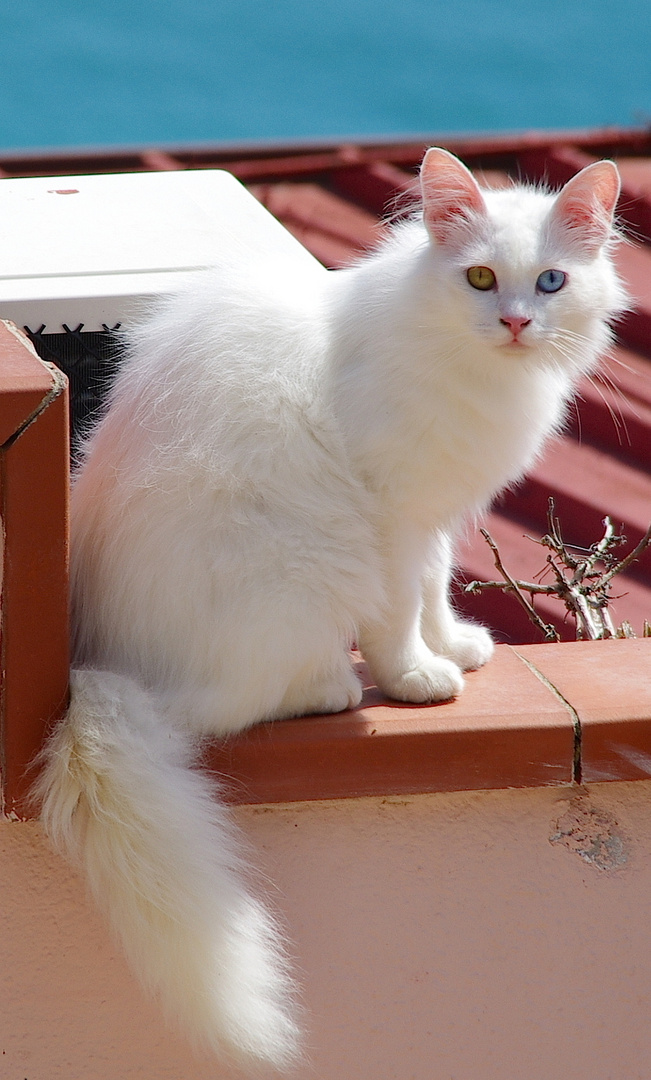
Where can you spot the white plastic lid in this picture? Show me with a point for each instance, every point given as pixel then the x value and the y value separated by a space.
pixel 91 249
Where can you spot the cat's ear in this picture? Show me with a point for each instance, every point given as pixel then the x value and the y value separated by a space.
pixel 585 207
pixel 451 196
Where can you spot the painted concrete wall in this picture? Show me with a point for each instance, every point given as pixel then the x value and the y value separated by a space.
pixel 500 935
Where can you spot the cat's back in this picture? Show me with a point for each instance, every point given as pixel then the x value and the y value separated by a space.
pixel 232 357
pixel 230 328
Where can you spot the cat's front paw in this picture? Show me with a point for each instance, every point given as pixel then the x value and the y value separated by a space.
pixel 434 679
pixel 471 646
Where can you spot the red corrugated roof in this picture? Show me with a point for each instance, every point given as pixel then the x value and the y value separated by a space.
pixel 334 196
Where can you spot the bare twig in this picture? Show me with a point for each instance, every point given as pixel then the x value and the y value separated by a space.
pixel 518 588
pixel 632 557
pixel 582 580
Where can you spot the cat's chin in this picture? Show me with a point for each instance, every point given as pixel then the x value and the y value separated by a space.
pixel 507 346
pixel 515 345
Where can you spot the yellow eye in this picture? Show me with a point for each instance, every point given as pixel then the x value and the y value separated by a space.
pixel 481 277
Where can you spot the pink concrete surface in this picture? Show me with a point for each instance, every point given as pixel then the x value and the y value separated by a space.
pixel 498 935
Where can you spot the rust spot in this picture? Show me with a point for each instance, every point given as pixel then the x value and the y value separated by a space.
pixel 63 191
pixel 591 833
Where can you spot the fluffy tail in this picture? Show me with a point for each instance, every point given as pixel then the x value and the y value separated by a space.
pixel 119 797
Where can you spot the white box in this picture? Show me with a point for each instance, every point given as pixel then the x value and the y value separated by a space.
pixel 91 249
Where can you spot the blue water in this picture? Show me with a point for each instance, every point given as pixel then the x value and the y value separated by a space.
pixel 80 72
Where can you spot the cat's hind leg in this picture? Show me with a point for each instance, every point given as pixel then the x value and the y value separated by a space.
pixel 318 691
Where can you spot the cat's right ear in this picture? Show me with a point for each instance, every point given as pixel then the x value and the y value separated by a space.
pixel 451 197
pixel 585 207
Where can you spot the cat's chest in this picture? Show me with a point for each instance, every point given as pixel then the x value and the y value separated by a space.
pixel 455 447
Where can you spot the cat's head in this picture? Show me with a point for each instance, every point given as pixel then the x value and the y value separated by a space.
pixel 527 272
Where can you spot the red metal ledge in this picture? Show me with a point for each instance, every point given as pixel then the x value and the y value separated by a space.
pixel 536 715
pixel 33 508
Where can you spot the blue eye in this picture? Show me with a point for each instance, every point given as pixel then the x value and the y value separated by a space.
pixel 550 281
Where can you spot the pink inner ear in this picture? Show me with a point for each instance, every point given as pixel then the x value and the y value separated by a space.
pixel 451 196
pixel 587 203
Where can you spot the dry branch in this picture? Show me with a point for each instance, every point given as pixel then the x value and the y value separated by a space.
pixel 582 580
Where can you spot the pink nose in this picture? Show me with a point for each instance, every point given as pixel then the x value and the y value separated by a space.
pixel 516 323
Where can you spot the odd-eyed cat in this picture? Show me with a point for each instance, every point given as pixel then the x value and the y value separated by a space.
pixel 282 470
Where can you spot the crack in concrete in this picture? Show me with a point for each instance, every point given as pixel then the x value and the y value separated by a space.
pixel 576 722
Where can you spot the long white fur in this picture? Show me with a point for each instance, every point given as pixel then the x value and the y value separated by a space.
pixel 164 863
pixel 282 470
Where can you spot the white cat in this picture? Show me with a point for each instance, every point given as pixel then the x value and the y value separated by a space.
pixel 281 471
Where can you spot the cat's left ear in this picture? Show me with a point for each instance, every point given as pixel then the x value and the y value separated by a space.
pixel 451 197
pixel 585 207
